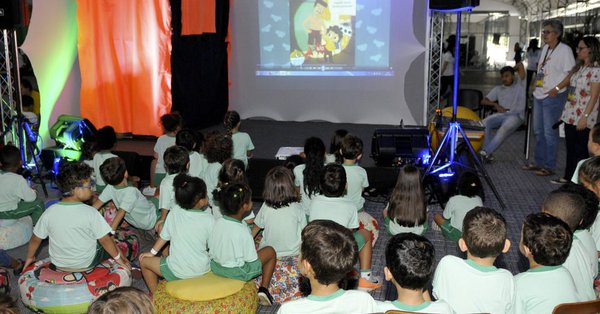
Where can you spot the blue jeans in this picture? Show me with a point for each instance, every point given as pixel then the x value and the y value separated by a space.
pixel 547 112
pixel 506 123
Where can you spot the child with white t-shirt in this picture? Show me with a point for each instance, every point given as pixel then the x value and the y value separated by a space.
pixel 171 124
pixel 131 203
pixel 410 260
pixel 328 252
pixel 356 175
pixel 281 216
pixel 188 139
pixel 176 162
pixel 188 228
pixel 335 146
pixel 406 210
pixel 231 246
pixel 242 143
pixel 85 240
pixel 217 148
pixel 233 171
pixel 308 175
pixel 589 177
pixel 475 285
pixel 546 242
pixel 106 138
pixel 468 197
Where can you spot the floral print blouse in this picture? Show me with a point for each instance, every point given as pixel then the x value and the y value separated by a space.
pixel 581 83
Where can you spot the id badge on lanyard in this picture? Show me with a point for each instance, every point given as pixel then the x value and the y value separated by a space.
pixel 539 78
pixel 570 93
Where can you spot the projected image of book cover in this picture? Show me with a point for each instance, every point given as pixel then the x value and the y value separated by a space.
pixel 321 32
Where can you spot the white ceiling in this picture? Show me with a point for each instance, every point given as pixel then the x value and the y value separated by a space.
pixel 537 7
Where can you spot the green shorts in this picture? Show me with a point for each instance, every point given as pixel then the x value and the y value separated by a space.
pixel 158 177
pixel 101 255
pixel 246 272
pixel 360 239
pixel 166 271
pixel 450 232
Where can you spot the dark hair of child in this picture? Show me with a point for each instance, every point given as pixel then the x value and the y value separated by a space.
pixel 122 300
pixel 199 141
pixel 88 149
pixel 330 249
pixel 469 185
pixel 217 147
pixel 591 203
pixel 72 175
pixel 407 201
pixel 410 258
pixel 333 181
pixel 176 159
pixel 186 138
pixel 26 101
pixel 8 305
pixel 590 170
pixel 352 146
pixel 10 157
pixel 336 144
pixel 569 207
pixel 595 133
pixel 233 171
pixel 231 120
pixel 106 138
pixel 113 170
pixel 321 2
pixel 548 238
pixel 171 121
pixel 27 84
pixel 314 150
pixel 484 232
pixel 279 190
pixel 188 190
pixel 293 161
pixel 233 197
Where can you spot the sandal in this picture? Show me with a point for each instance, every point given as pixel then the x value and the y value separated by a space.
pixel 559 181
pixel 544 172
pixel 531 167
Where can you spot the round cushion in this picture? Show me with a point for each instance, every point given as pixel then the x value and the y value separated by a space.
pixel 367 222
pixel 243 299
pixel 15 232
pixel 4 282
pixel 52 291
pixel 285 283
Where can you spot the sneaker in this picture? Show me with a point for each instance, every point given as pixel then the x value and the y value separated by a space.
pixel 368 285
pixel 264 297
pixel 559 181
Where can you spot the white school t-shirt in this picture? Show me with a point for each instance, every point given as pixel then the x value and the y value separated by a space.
pixel 575 177
pixel 188 230
pixel 540 289
pixel 472 288
pixel 14 188
pixel 231 244
pixel 559 62
pixel 439 306
pixel 99 159
pixel 282 228
pixel 241 145
pixel 357 180
pixel 595 231
pixel 299 182
pixel 341 301
pixel 211 179
pixel 139 212
pixel 73 229
pixel 457 208
pixel 162 143
pixel 198 164
pixel 338 209
pixel 582 264
pixel 166 198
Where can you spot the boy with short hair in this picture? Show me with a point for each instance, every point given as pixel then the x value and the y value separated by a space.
pixel 85 240
pixel 332 205
pixel 545 241
pixel 475 285
pixel 106 138
pixel 131 203
pixel 582 260
pixel 176 161
pixel 17 198
pixel 328 252
pixel 171 124
pixel 409 260
pixel 356 175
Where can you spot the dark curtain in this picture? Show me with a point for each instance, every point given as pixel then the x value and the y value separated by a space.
pixel 199 65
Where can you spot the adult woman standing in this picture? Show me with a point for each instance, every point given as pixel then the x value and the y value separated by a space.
pixel 549 99
pixel 447 79
pixel 533 57
pixel 581 110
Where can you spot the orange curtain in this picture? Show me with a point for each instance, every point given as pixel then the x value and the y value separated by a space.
pixel 198 17
pixel 124 57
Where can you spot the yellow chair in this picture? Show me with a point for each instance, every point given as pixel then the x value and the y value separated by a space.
pixel 465 116
pixel 588 307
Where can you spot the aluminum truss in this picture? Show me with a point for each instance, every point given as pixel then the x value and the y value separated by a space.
pixel 10 92
pixel 436 36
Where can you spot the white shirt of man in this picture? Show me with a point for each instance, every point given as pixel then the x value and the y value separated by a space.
pixel 512 97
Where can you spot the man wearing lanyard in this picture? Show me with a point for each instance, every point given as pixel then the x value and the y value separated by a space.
pixel 556 62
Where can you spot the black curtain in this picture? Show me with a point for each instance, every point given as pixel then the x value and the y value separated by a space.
pixel 199 70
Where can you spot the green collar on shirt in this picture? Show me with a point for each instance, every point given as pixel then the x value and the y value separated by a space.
pixel 231 219
pixel 120 187
pixel 410 308
pixel 482 268
pixel 170 135
pixel 543 268
pixel 69 203
pixel 350 165
pixel 326 297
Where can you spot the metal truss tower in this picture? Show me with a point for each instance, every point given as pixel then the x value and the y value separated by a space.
pixel 436 39
pixel 10 91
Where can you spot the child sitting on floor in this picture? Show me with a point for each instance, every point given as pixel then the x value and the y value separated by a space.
pixel 79 237
pixel 105 142
pixel 335 146
pixel 188 227
pixel 475 285
pixel 217 148
pixel 171 124
pixel 17 198
pixel 545 241
pixel 198 163
pixel 468 197
pixel 332 205
pixel 176 161
pixel 242 143
pixel 132 205
pixel 409 260
pixel 593 145
pixel 231 246
pixel 281 216
pixel 582 261
pixel 328 252
pixel 356 175
pixel 406 210
pixel 308 175
pixel 589 177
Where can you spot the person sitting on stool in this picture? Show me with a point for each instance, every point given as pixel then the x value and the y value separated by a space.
pixel 508 100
